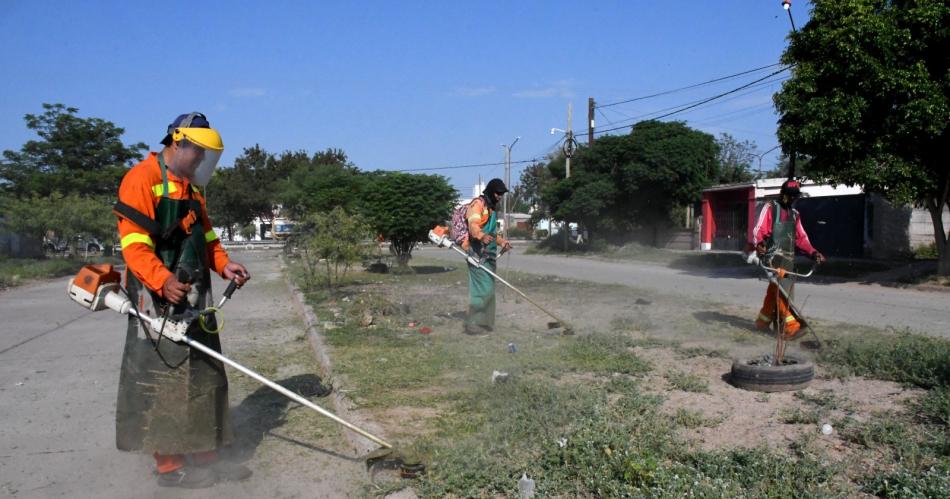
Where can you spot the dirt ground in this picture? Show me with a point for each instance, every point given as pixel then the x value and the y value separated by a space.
pixel 689 338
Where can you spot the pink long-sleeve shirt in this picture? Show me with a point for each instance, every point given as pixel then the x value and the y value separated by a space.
pixel 763 228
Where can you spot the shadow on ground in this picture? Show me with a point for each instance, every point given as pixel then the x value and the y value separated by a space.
pixel 735 321
pixel 264 411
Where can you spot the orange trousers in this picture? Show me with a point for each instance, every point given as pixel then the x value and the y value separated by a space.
pixel 774 298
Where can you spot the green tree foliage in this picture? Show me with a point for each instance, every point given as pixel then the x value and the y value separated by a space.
pixel 631 181
pixel 869 100
pixel 263 172
pixel 404 207
pixel 73 155
pixel 735 159
pixel 232 199
pixel 331 243
pixel 61 217
pixel 534 179
pixel 324 181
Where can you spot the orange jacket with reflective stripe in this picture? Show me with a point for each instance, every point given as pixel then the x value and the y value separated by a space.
pixel 477 216
pixel 142 189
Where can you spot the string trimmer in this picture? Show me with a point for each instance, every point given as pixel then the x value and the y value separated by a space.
pixel 773 274
pixel 439 236
pixel 97 287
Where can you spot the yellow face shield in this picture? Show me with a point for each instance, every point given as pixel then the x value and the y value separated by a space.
pixel 199 150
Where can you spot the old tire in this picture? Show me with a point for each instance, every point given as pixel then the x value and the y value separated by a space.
pixel 753 374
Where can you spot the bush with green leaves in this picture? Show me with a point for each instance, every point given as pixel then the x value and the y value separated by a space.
pixel 331 243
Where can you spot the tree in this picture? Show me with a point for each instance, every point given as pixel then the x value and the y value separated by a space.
pixel 66 217
pixel 534 179
pixel 403 208
pixel 74 155
pixel 735 159
pixel 869 101
pixel 325 181
pixel 232 199
pixel 625 182
pixel 264 171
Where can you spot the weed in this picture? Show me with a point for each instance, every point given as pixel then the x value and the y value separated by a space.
pixel 800 416
pixel 904 358
pixel 687 382
pixel 688 418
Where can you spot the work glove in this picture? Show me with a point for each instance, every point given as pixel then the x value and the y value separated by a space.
pixel 818 258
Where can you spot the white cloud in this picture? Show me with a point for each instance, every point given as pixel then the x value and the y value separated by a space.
pixel 561 88
pixel 247 92
pixel 473 91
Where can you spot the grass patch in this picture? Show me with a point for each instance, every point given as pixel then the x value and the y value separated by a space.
pixel 689 418
pixel 16 271
pixel 922 361
pixel 687 382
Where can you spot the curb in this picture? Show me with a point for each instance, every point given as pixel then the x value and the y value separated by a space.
pixel 344 408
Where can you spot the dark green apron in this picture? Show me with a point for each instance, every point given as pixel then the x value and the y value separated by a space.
pixel 481 285
pixel 783 237
pixel 162 406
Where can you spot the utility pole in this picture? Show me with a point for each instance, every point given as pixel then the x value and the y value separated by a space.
pixel 504 200
pixel 590 121
pixel 569 143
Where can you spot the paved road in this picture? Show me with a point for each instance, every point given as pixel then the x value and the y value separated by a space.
pixel 865 304
pixel 59 370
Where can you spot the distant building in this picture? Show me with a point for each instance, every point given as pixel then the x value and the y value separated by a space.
pixel 840 220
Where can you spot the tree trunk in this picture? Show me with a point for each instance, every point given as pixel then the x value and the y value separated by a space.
pixel 403 251
pixel 940 237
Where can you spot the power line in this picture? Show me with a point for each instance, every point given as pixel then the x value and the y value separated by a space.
pixel 464 166
pixel 628 118
pixel 667 92
pixel 701 102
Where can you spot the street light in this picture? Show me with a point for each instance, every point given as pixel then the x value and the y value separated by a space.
pixel 504 201
pixel 762 155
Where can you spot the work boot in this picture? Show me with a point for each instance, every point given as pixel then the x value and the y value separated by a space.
pixel 188 477
pixel 473 330
pixel 793 329
pixel 231 472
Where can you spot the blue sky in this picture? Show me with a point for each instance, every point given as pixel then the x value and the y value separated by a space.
pixel 397 85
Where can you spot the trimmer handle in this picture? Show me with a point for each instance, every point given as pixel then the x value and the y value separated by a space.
pixel 231 287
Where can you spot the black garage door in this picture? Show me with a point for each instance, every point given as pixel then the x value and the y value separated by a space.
pixel 835 225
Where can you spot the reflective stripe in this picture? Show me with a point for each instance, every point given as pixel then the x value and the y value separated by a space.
pixel 475 217
pixel 158 191
pixel 765 318
pixel 790 318
pixel 211 235
pixel 136 237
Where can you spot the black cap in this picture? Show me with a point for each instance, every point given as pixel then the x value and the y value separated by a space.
pixel 791 187
pixel 188 120
pixel 495 186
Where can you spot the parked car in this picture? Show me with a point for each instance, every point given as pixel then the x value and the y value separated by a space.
pixel 89 244
pixel 284 230
pixel 55 245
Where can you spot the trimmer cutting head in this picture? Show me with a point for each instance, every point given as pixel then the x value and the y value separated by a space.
pixel 389 458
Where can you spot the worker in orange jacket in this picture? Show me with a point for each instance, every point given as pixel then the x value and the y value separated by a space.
pixel 779 232
pixel 173 401
pixel 483 244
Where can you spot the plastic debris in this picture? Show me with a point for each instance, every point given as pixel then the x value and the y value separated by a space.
pixel 425 329
pixel 526 486
pixel 512 348
pixel 499 377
